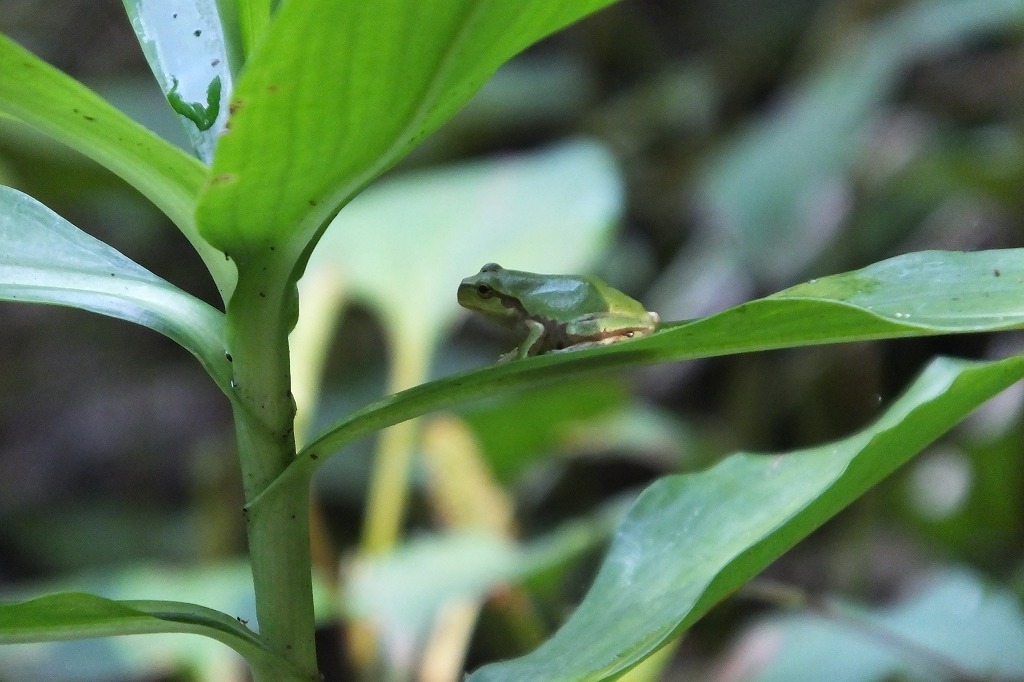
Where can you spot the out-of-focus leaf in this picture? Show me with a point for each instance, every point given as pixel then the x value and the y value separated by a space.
pixel 778 183
pixel 691 540
pixel 958 626
pixel 39 95
pixel 549 410
pixel 402 592
pixel 337 92
pixel 46 259
pixel 191 52
pixel 433 228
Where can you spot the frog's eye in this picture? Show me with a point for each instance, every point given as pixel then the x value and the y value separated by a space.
pixel 484 290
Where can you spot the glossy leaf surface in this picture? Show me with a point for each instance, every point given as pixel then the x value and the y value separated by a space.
pixel 189 49
pixel 46 259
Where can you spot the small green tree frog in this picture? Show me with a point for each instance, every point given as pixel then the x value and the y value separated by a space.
pixel 557 312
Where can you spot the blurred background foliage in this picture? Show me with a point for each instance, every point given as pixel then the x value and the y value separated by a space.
pixel 740 146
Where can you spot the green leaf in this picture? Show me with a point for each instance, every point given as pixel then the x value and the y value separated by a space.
pixel 46 259
pixel 917 294
pixel 337 92
pixel 402 592
pixel 191 52
pixel 76 615
pixel 690 540
pixel 818 133
pixel 959 624
pixel 42 97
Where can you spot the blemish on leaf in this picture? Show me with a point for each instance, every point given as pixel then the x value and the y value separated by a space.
pixel 203 117
pixel 996 273
pixel 313 202
pixel 223 179
pixel 273 87
pixel 215 62
pixel 197 33
pixel 234 106
pixel 88 118
pixel 174 16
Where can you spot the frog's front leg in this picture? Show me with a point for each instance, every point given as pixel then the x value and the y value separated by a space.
pixel 531 345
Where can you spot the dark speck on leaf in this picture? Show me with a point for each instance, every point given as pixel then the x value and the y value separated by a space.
pixel 312 202
pixel 234 106
pixel 313 456
pixel 197 33
pixel 174 16
pixel 272 87
pixel 215 62
pixel 89 118
pixel 996 273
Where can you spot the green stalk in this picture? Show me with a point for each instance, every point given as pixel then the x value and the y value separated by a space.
pixel 259 317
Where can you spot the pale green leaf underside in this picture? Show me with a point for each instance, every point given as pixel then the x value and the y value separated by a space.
pixel 917 294
pixel 46 259
pixel 188 48
pixel 76 615
pixel 337 92
pixel 690 540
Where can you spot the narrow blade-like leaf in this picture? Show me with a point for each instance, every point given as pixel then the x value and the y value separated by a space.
pixel 76 615
pixel 917 294
pixel 46 259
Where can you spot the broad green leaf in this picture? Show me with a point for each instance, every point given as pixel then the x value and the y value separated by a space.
pixel 40 96
pixel 917 294
pixel 337 92
pixel 434 228
pixel 959 627
pixel 191 52
pixel 818 132
pixel 46 259
pixel 690 540
pixel 76 615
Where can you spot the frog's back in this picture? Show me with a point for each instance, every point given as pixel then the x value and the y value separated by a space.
pixel 611 299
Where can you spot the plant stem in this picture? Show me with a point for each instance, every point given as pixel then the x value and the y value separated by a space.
pixel 259 317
